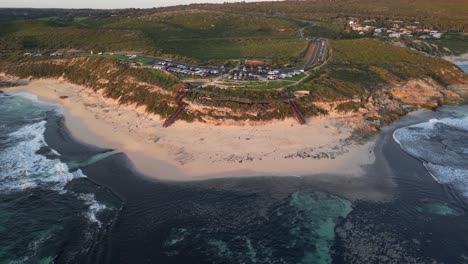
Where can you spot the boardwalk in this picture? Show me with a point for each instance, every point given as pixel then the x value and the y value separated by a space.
pixel 293 106
pixel 180 108
pixel 297 113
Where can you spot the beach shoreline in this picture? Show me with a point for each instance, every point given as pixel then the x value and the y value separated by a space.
pixel 198 151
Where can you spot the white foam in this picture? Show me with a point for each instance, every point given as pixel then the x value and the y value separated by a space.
pixel 21 168
pixel 33 98
pixel 458 123
pixel 457 177
pixel 442 154
pixel 94 207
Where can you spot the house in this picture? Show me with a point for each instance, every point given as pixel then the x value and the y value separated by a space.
pixel 394 35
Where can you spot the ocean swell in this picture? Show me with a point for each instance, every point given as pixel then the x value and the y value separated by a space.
pixel 28 162
pixel 442 146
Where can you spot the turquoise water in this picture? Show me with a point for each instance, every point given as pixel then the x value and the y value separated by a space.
pixel 317 216
pixel 308 221
pixel 59 204
pixel 440 208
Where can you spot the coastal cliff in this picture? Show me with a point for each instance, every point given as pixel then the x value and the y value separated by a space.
pixel 155 91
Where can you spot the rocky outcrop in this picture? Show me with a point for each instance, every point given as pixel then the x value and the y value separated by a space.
pixel 426 93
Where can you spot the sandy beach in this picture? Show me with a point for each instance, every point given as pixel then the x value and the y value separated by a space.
pixel 187 151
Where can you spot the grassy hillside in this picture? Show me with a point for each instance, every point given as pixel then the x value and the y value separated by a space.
pixel 451 14
pixel 393 63
pixel 42 34
pixel 203 37
pixel 212 34
pixel 215 34
pixel 361 66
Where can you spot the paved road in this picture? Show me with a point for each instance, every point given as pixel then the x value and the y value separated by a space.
pixel 319 51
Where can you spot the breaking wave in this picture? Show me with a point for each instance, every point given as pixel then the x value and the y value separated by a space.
pixel 28 162
pixel 442 146
pixel 94 207
pixel 43 191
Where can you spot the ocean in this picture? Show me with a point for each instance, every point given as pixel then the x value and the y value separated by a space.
pixel 64 201
pixel 464 66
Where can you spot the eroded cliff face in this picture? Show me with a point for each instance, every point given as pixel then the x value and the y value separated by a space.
pixel 426 93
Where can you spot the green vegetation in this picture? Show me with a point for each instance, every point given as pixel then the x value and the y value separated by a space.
pixel 275 109
pixel 374 52
pixel 197 37
pixel 296 78
pixel 322 87
pixel 456 42
pixel 220 34
pixel 391 63
pixel 216 51
pixel 324 30
pixel 350 106
pixel 126 84
pixel 257 85
pixel 443 15
pixel 263 85
pixel 38 34
pixel 361 66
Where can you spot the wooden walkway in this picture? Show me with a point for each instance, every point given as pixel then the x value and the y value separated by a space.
pixel 216 97
pixel 180 107
pixel 293 106
pixel 297 113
